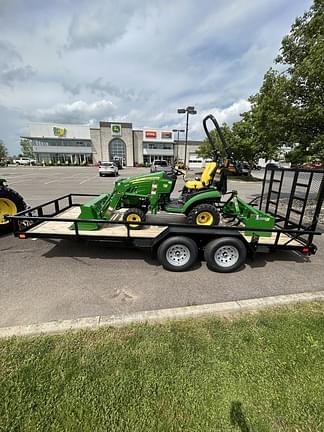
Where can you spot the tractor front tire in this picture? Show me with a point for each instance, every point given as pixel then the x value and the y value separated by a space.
pixel 134 215
pixel 10 204
pixel 225 255
pixel 203 214
pixel 177 253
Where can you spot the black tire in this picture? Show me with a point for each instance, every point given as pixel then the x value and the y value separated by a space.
pixel 17 200
pixel 100 174
pixel 199 211
pixel 231 254
pixel 139 216
pixel 177 253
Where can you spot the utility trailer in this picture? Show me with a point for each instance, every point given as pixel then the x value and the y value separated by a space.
pixel 294 197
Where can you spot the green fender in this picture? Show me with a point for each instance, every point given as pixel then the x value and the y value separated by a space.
pixel 196 199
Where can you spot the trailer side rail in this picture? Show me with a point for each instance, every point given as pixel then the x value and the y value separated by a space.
pixel 25 221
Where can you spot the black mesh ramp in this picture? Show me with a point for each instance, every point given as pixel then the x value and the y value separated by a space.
pixel 295 197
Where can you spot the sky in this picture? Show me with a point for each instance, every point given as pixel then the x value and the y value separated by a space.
pixel 78 61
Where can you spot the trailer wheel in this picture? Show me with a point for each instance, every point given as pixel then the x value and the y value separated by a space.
pixel 177 253
pixel 10 204
pixel 203 214
pixel 134 215
pixel 225 255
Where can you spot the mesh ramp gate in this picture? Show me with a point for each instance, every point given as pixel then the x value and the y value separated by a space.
pixel 294 197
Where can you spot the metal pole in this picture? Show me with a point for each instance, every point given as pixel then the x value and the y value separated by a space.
pixel 186 143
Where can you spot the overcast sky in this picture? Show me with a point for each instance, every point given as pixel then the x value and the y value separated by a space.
pixel 81 61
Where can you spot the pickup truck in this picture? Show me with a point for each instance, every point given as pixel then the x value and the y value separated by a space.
pixel 24 161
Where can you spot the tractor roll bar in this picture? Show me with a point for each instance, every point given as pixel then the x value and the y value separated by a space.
pixel 220 134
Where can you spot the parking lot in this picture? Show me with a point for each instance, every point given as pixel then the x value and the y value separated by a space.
pixel 45 280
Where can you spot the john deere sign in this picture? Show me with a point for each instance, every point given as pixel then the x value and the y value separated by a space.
pixel 116 130
pixel 59 132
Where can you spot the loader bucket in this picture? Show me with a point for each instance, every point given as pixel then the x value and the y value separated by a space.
pixel 93 209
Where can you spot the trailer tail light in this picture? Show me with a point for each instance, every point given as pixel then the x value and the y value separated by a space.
pixel 306 250
pixel 22 236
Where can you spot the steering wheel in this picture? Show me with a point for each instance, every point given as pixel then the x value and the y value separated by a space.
pixel 177 172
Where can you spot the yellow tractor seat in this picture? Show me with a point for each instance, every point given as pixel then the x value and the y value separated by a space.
pixel 206 178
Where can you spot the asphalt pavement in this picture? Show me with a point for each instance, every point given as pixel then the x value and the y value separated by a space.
pixel 44 280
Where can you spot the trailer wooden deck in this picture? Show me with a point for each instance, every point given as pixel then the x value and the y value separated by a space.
pixel 57 227
pixel 63 228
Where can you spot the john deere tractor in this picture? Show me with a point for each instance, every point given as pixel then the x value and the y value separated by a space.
pixel 152 193
pixel 139 195
pixel 199 200
pixel 10 203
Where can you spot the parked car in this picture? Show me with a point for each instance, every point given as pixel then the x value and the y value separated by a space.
pixel 161 165
pixel 24 161
pixel 107 169
pixel 272 165
pixel 244 169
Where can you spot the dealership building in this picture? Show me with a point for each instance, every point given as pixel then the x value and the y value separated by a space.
pixel 80 143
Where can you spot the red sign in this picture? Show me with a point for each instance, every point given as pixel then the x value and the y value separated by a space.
pixel 150 134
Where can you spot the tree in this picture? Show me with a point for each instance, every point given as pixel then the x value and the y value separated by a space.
pixel 302 51
pixel 26 147
pixel 3 150
pixel 289 107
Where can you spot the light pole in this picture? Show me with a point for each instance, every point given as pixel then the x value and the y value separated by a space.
pixel 189 110
pixel 178 131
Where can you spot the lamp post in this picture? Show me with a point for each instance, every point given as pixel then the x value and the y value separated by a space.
pixel 178 131
pixel 189 110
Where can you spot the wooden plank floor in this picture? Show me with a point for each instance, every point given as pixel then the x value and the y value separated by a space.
pixel 283 238
pixel 63 228
pixel 150 231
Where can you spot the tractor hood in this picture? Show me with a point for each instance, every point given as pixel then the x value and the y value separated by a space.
pixel 154 177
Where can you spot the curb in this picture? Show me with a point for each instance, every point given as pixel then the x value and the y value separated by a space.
pixel 159 315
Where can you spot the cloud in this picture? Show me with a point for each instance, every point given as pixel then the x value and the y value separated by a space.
pixel 11 126
pixel 75 112
pixel 135 61
pixel 10 75
pixel 101 23
pixel 101 87
pixel 11 67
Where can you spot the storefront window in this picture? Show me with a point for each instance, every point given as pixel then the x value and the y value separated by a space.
pixel 117 147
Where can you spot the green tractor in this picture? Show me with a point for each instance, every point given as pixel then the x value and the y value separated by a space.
pixel 10 204
pixel 152 192
pixel 198 201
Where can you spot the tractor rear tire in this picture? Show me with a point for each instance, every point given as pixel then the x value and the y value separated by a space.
pixel 10 203
pixel 225 255
pixel 134 215
pixel 203 214
pixel 177 253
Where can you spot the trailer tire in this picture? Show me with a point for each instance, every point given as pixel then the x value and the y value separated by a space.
pixel 10 203
pixel 134 215
pixel 225 255
pixel 203 214
pixel 177 253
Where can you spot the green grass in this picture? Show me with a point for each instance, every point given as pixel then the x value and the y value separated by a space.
pixel 261 372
